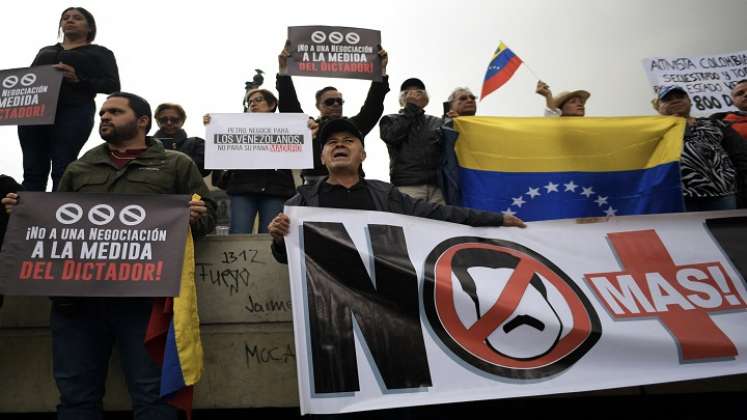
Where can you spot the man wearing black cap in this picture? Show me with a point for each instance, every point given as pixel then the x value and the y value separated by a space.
pixel 412 138
pixel 329 103
pixel 342 154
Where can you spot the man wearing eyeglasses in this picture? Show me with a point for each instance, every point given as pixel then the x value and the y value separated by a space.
pixel 329 102
pixel 170 119
pixel 413 140
pixel 461 103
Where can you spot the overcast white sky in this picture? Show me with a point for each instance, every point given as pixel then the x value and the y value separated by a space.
pixel 200 54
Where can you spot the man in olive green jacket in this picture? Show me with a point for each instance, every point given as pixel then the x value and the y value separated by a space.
pixel 84 330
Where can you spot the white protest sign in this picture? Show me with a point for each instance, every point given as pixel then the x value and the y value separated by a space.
pixel 707 79
pixel 258 141
pixel 392 310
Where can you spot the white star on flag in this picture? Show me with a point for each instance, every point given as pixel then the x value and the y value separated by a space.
pixel 601 200
pixel 509 212
pixel 570 187
pixel 518 201
pixel 550 187
pixel 588 192
pixel 610 212
pixel 533 192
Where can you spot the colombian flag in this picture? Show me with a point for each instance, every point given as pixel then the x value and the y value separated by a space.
pixel 173 337
pixel 555 168
pixel 502 66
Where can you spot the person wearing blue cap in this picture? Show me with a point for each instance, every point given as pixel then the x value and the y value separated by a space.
pixel 713 164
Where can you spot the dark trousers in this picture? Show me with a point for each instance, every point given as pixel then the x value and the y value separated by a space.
pixel 84 332
pixel 54 146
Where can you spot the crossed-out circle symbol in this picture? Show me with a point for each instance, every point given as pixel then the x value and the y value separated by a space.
pixel 28 79
pixel 352 38
pixel 132 215
pixel 101 214
pixel 471 342
pixel 335 37
pixel 10 81
pixel 69 213
pixel 318 37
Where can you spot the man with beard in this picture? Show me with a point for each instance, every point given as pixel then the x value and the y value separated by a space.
pixel 736 119
pixel 84 330
pixel 170 119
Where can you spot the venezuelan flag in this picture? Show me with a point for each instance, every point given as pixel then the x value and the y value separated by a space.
pixel 502 66
pixel 173 337
pixel 555 168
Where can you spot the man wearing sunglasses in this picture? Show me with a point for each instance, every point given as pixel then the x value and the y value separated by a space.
pixel 329 102
pixel 461 103
pixel 170 119
pixel 413 140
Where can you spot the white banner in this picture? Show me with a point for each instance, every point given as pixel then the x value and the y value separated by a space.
pixel 394 311
pixel 259 140
pixel 707 79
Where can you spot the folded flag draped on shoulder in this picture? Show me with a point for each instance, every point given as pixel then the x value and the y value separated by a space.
pixel 173 337
pixel 502 66
pixel 555 168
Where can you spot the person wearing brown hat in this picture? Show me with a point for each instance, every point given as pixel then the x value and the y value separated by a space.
pixel 412 139
pixel 713 164
pixel 565 104
pixel 344 188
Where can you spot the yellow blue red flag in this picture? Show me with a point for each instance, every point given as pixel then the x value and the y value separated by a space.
pixel 555 168
pixel 503 65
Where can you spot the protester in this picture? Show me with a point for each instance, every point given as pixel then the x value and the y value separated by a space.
pixel 342 154
pixel 713 164
pixel 329 102
pixel 737 119
pixel 461 103
pixel 85 329
pixel 565 104
pixel 412 139
pixel 170 119
pixel 7 185
pixel 255 191
pixel 87 69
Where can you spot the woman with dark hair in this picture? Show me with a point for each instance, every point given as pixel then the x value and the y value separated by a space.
pixel 87 69
pixel 262 191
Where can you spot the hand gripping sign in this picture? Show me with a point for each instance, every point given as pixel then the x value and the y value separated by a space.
pixel 71 244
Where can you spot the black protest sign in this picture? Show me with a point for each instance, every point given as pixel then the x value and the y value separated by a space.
pixel 28 96
pixel 334 51
pixel 70 244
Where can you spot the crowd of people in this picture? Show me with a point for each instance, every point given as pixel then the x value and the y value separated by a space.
pixel 713 167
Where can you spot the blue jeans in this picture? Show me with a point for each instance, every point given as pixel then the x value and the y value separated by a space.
pixel 84 331
pixel 54 146
pixel 726 202
pixel 244 210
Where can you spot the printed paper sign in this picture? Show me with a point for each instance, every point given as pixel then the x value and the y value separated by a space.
pixel 72 244
pixel 258 141
pixel 707 79
pixel 28 96
pixel 395 311
pixel 334 51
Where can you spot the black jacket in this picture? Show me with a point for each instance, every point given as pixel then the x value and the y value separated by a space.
pixel 412 138
pixel 273 182
pixel 386 197
pixel 193 147
pixel 7 185
pixel 94 65
pixel 366 119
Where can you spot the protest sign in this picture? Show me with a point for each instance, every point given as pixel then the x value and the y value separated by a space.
pixel 334 51
pixel 258 141
pixel 395 311
pixel 707 79
pixel 28 96
pixel 71 244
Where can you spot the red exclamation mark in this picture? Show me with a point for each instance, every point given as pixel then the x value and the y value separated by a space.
pixel 159 269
